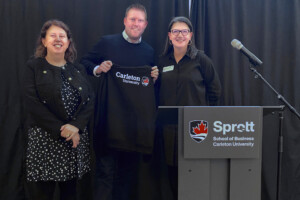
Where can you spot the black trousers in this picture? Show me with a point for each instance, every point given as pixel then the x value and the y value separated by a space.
pixel 44 190
pixel 116 175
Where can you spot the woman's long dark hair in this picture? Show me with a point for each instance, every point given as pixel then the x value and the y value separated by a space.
pixel 41 50
pixel 192 50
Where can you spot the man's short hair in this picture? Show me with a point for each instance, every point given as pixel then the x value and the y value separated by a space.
pixel 136 6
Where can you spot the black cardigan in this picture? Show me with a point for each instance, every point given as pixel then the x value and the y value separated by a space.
pixel 42 96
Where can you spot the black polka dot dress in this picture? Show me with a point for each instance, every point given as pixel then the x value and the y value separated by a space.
pixel 55 160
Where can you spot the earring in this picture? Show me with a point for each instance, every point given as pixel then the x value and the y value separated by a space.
pixel 170 42
pixel 190 42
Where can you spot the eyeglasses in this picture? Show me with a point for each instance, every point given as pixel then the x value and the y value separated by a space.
pixel 184 32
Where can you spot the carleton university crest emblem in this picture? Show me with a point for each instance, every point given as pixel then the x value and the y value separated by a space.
pixel 145 81
pixel 198 130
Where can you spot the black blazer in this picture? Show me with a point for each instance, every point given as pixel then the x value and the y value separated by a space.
pixel 42 96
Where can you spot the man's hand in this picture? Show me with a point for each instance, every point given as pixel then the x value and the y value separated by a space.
pixel 105 66
pixel 154 73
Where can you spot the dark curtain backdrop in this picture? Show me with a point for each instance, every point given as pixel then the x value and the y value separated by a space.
pixel 271 30
pixel 20 24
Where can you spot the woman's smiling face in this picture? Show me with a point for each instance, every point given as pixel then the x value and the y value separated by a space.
pixel 56 40
pixel 180 35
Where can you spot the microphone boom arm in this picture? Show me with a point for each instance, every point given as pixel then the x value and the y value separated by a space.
pixel 279 96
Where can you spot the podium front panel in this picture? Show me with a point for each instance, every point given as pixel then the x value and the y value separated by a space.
pixel 228 177
pixel 222 132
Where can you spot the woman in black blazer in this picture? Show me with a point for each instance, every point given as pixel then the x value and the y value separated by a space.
pixel 59 105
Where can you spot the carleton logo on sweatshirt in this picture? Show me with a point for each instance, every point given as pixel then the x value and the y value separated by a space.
pixel 131 79
pixel 145 81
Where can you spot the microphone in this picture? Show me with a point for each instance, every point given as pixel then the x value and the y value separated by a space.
pixel 252 58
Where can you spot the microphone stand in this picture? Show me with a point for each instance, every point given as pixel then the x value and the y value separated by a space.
pixel 280 142
pixel 279 96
